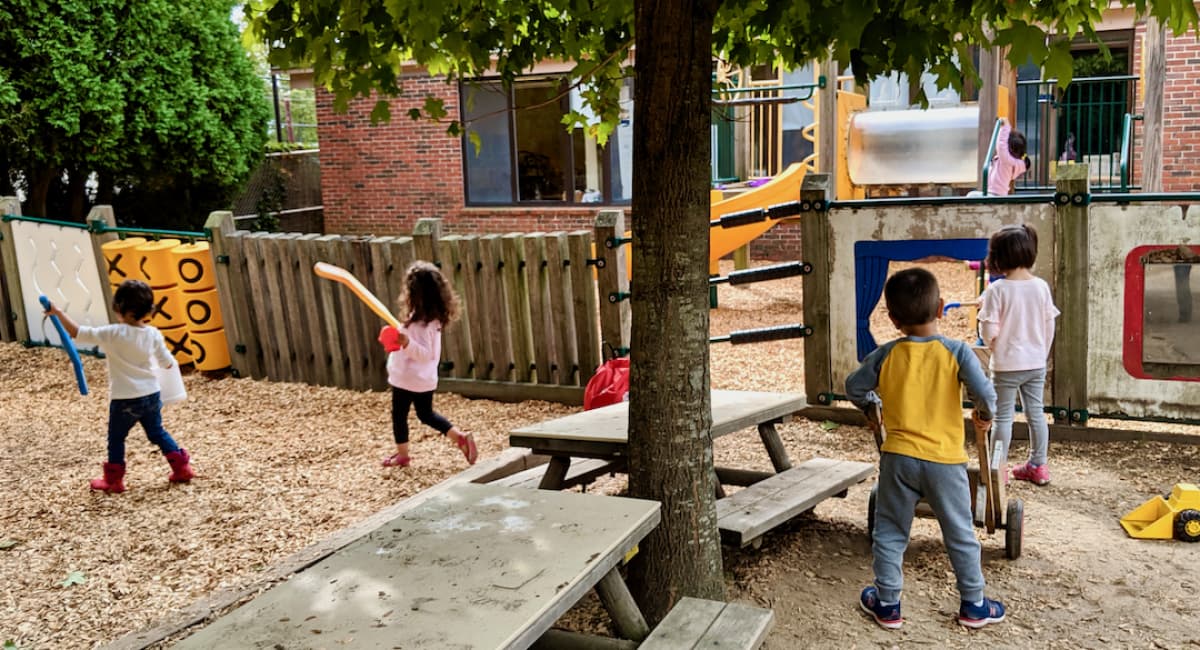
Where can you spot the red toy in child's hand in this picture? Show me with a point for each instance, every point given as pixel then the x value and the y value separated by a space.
pixel 390 338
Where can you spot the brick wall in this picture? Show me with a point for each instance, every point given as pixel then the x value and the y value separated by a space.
pixel 1181 113
pixel 380 179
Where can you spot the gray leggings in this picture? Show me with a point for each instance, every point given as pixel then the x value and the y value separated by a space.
pixel 1030 384
pixel 903 481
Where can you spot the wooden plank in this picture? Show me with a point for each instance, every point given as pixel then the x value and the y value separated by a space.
pixel 739 627
pixel 516 291
pixel 1154 67
pixel 582 471
pixel 330 294
pixel 379 261
pixel 507 391
pixel 297 309
pixel 353 315
pixel 302 250
pixel 611 279
pixel 774 444
pixel 16 325
pixel 426 233
pixel 586 310
pixel 556 639
pixel 684 625
pixel 827 118
pixel 989 99
pixel 282 323
pixel 753 511
pixel 232 295
pixel 468 250
pixel 256 273
pixel 562 301
pixel 374 360
pixel 457 337
pixel 814 243
pixel 102 213
pixel 545 353
pixel 1069 381
pixel 495 309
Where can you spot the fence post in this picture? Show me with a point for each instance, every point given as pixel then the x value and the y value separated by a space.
pixel 232 293
pixel 814 238
pixel 16 327
pixel 426 234
pixel 103 213
pixel 612 279
pixel 1070 385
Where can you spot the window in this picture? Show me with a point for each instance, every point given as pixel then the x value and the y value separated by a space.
pixel 526 156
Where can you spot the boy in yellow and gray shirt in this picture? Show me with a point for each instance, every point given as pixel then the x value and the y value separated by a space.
pixel 916 383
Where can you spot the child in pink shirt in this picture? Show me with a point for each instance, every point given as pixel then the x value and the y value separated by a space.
pixel 1016 319
pixel 1009 161
pixel 414 352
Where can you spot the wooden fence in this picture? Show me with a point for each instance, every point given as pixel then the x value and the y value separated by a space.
pixel 531 319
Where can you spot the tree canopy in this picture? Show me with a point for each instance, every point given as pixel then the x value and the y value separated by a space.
pixel 356 48
pixel 154 97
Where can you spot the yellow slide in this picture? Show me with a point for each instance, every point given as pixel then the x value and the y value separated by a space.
pixel 783 188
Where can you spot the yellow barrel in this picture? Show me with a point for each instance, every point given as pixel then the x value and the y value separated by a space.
pixel 122 260
pixel 193 266
pixel 178 343
pixel 202 310
pixel 155 262
pixel 210 350
pixel 168 308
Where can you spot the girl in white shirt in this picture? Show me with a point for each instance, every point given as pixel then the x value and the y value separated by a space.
pixel 1016 319
pixel 414 352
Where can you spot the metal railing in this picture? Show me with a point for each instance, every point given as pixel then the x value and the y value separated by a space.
pixel 1127 135
pixel 1082 123
pixel 991 153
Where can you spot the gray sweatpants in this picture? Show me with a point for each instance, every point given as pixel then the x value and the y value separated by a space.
pixel 903 481
pixel 1030 384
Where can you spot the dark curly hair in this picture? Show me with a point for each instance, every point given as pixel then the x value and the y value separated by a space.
pixel 134 297
pixel 428 296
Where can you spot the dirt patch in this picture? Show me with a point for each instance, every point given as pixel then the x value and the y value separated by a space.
pixel 283 466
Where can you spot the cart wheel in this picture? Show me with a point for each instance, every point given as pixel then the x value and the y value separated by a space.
pixel 1187 526
pixel 871 513
pixel 1014 529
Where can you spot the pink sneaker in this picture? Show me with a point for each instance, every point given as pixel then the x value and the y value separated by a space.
pixel 1036 474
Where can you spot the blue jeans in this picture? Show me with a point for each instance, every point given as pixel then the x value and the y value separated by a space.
pixel 124 413
pixel 1030 384
pixel 903 481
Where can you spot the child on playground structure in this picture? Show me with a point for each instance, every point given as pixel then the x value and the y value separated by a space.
pixel 413 355
pixel 915 382
pixel 1009 161
pixel 1016 322
pixel 133 386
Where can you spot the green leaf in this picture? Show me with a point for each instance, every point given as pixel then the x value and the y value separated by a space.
pixel 73 578
pixel 7 544
pixel 11 645
pixel 829 425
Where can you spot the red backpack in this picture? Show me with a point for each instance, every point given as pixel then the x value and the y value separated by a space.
pixel 610 384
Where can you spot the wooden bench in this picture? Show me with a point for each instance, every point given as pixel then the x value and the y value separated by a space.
pixel 746 515
pixel 582 471
pixel 697 623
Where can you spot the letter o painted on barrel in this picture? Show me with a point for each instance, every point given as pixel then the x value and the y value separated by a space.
pixel 198 312
pixel 191 271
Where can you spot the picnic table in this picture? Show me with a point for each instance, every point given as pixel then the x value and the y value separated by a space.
pixel 770 498
pixel 476 566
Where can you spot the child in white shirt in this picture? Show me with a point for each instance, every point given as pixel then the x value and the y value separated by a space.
pixel 1016 318
pixel 133 389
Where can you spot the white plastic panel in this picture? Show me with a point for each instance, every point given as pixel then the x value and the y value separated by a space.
pixel 57 262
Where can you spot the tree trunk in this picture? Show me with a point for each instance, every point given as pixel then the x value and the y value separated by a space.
pixel 39 190
pixel 669 404
pixel 77 194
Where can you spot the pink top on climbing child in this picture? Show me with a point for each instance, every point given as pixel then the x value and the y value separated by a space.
pixel 1005 167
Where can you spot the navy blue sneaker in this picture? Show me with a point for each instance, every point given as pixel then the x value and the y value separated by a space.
pixel 887 616
pixel 972 616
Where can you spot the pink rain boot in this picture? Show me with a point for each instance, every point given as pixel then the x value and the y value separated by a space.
pixel 181 472
pixel 114 479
